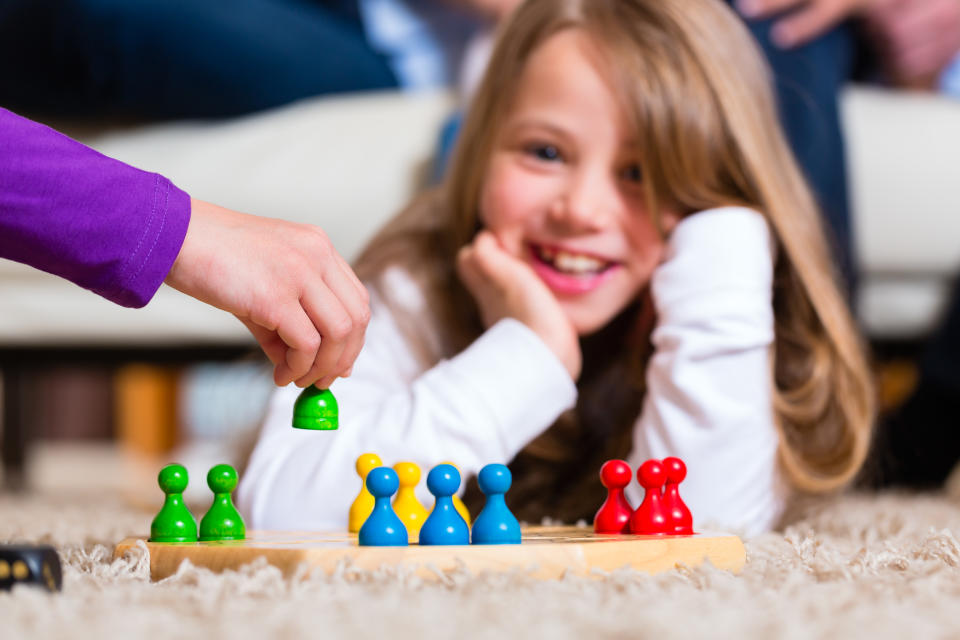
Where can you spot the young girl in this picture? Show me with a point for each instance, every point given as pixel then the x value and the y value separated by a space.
pixel 623 262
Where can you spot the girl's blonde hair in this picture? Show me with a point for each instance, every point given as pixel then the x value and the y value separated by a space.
pixel 698 93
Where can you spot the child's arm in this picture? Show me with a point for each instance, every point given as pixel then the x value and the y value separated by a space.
pixel 120 232
pixel 709 382
pixel 481 406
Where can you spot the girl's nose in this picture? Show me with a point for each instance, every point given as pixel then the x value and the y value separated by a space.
pixel 586 203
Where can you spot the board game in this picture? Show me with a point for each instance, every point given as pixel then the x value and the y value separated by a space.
pixel 545 552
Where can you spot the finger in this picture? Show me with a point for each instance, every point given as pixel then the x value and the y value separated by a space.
pixel 467 269
pixel 359 310
pixel 351 274
pixel 351 350
pixel 802 26
pixel 358 305
pixel 353 295
pixel 765 8
pixel 353 299
pixel 302 339
pixel 492 261
pixel 330 317
pixel 343 367
pixel 324 254
pixel 269 341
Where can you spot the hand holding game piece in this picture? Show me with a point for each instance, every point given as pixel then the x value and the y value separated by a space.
pixel 505 287
pixel 495 524
pixel 383 528
pixel 222 521
pixel 362 505
pixel 28 564
pixel 679 518
pixel 650 517
pixel 316 409
pixel 405 505
pixel 444 525
pixel 614 515
pixel 174 522
pixel 285 282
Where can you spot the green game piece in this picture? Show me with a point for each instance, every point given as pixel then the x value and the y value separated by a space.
pixel 223 521
pixel 174 522
pixel 316 409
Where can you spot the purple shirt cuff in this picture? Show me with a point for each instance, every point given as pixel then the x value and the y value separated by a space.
pixel 73 212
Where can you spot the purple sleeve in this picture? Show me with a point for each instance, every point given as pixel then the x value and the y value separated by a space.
pixel 73 212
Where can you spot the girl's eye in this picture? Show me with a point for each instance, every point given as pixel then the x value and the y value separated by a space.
pixel 632 173
pixel 546 152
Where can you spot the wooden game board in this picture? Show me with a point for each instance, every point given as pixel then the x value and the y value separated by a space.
pixel 548 552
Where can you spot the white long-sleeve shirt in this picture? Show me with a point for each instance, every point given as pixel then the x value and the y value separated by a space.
pixel 709 387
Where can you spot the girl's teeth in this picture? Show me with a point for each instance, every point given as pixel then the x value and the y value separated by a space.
pixel 576 264
pixel 571 263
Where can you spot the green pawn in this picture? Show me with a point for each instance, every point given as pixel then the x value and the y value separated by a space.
pixel 316 409
pixel 174 522
pixel 223 521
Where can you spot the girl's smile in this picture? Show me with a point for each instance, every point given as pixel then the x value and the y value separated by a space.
pixel 569 272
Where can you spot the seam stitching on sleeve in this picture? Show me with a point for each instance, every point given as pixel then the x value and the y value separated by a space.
pixel 122 279
pixel 156 237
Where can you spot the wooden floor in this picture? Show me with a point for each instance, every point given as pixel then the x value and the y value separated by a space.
pixel 547 552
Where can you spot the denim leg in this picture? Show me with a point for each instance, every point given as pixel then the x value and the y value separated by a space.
pixel 808 81
pixel 178 58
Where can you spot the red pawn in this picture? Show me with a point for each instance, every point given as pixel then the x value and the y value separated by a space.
pixel 650 517
pixel 679 518
pixel 614 514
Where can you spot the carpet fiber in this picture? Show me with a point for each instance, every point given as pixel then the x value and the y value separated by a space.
pixel 877 566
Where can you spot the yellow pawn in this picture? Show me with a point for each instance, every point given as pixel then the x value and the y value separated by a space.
pixel 461 509
pixel 362 507
pixel 458 503
pixel 406 505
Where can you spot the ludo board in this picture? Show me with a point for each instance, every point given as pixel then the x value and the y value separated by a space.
pixel 546 552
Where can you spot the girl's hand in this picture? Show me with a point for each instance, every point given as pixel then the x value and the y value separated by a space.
pixel 505 287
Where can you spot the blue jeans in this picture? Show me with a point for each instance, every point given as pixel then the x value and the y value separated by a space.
pixel 150 59
pixel 808 81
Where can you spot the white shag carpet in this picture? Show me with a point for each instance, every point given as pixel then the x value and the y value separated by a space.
pixel 857 566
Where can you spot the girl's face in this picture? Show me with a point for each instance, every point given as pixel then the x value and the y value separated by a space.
pixel 563 190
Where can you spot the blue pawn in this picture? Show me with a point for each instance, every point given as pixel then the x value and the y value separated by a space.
pixel 495 524
pixel 444 525
pixel 383 528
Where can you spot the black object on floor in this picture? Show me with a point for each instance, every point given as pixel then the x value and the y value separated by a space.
pixel 29 564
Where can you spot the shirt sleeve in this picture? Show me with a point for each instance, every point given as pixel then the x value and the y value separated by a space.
pixel 481 406
pixel 709 382
pixel 73 212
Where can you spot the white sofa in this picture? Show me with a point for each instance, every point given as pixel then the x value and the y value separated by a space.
pixel 348 163
pixel 903 154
